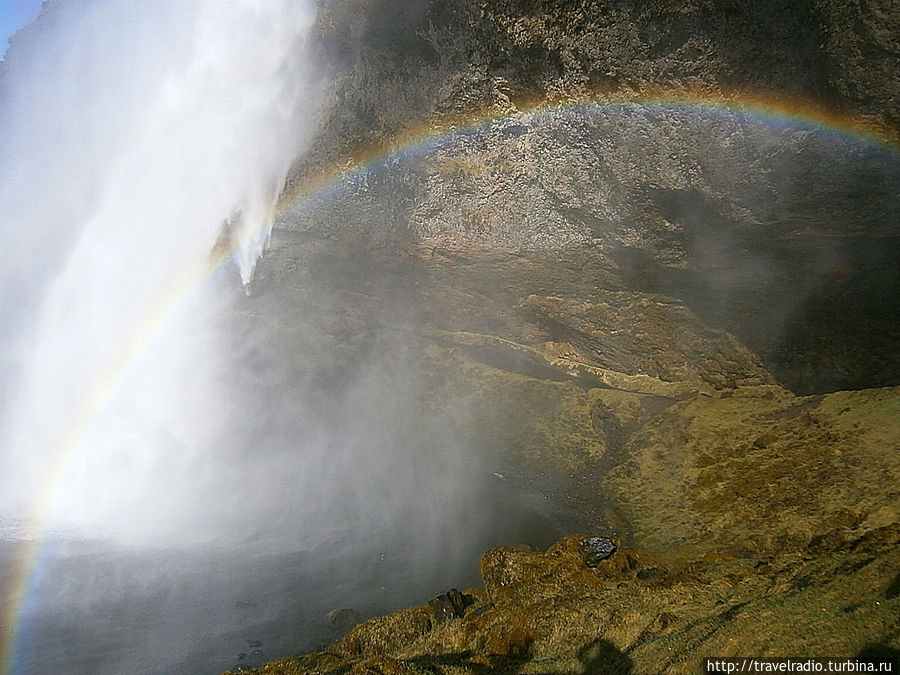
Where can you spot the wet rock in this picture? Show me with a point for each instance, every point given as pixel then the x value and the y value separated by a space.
pixel 654 201
pixel 613 240
pixel 549 606
pixel 631 332
pixel 451 605
pixel 595 549
pixel 341 619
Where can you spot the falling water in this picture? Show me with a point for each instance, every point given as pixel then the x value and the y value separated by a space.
pixel 135 138
pixel 192 482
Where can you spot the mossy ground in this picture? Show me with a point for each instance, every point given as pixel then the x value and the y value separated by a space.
pixel 753 473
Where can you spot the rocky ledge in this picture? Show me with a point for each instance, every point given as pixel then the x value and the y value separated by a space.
pixel 635 611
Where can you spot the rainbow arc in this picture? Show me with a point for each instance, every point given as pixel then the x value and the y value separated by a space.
pixel 770 111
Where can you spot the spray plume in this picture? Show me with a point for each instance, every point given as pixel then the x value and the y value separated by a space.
pixel 129 134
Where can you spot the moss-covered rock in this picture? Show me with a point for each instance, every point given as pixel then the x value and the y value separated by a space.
pixel 639 612
pixel 763 474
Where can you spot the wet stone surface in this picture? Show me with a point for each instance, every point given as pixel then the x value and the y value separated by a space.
pixel 450 605
pixel 596 549
pixel 247 662
pixel 341 620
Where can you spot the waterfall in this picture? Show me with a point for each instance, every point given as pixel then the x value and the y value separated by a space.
pixel 137 141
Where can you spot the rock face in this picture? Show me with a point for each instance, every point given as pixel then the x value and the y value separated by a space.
pixel 805 277
pixel 401 61
pixel 629 399
pixel 637 612
pixel 742 510
pixel 601 133
pixel 675 317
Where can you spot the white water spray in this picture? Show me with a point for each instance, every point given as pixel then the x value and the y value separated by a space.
pixel 129 133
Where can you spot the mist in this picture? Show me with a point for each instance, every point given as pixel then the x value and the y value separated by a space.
pixel 253 371
pixel 129 137
pixel 165 412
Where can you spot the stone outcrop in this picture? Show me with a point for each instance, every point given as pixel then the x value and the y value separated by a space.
pixel 400 62
pixel 637 612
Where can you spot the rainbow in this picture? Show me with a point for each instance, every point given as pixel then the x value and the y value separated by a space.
pixel 304 194
pixel 770 111
pixel 26 570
